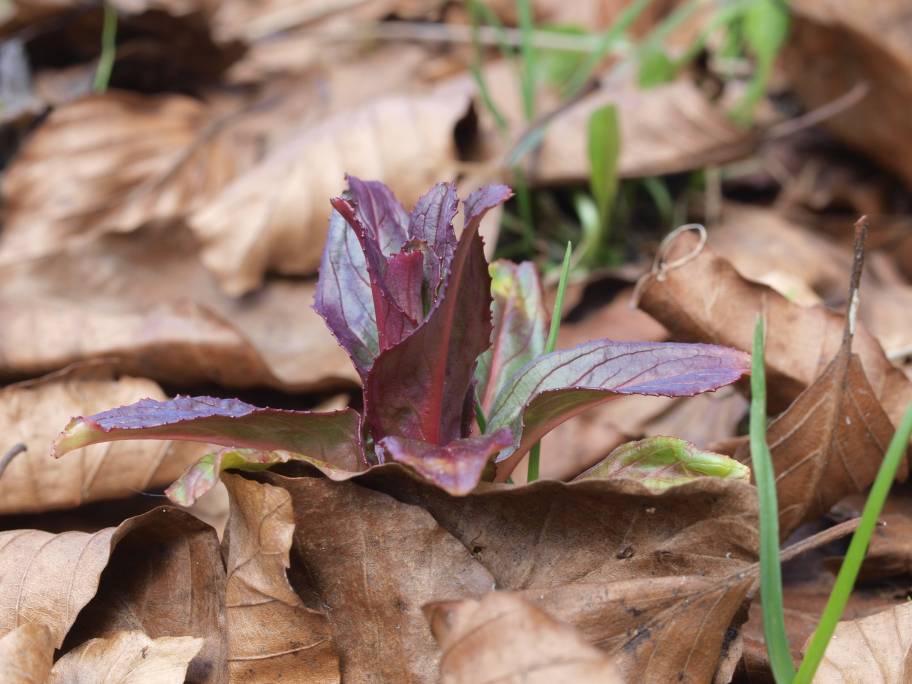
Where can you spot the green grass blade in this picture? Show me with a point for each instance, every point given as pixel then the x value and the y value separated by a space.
pixel 604 149
pixel 845 580
pixel 777 645
pixel 480 419
pixel 535 452
pixel 108 50
pixel 527 52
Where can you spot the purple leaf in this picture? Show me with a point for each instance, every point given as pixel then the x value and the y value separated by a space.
pixel 455 467
pixel 431 222
pixel 343 296
pixel 384 219
pixel 417 389
pixel 520 327
pixel 332 437
pixel 559 385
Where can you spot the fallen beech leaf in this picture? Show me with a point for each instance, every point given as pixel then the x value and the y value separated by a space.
pixel 829 443
pixel 133 158
pixel 165 578
pixel 272 635
pixel 255 224
pixel 890 551
pixel 27 654
pixel 663 462
pixel 31 412
pixel 162 575
pixel 654 580
pixel 504 637
pixel 373 579
pixel 875 649
pixel 127 658
pixel 834 47
pixel 707 300
pixel 144 301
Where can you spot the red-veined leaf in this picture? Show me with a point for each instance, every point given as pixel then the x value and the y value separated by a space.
pixel 559 385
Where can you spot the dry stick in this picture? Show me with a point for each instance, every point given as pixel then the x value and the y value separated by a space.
pixel 8 457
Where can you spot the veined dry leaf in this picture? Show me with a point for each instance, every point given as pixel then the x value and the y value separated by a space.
pixel 505 638
pixel 654 580
pixel 31 414
pixel 163 576
pixel 132 159
pixel 144 301
pixel 274 217
pixel 372 569
pixel 875 650
pixel 829 443
pixel 707 300
pixel 271 633
pixel 833 47
pixel 127 658
pixel 27 654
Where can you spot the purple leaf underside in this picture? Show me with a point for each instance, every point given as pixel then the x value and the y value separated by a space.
pixel 455 467
pixel 559 385
pixel 331 437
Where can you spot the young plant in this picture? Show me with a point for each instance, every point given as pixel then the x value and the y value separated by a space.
pixel 412 306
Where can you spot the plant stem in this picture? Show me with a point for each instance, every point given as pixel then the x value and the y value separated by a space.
pixel 108 50
pixel 777 645
pixel 480 418
pixel 848 572
pixel 535 452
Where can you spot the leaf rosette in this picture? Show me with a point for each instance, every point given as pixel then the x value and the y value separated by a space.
pixel 435 341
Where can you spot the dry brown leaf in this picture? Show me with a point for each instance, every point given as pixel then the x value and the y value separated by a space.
pixel 274 217
pixel 127 658
pixel 890 552
pixel 654 580
pixel 27 654
pixel 872 650
pixel 828 444
pixel 271 634
pixel 505 638
pixel 163 575
pixel 806 267
pixel 707 300
pixel 164 578
pixel 832 48
pixel 145 301
pixel 372 562
pixel 33 413
pixel 130 159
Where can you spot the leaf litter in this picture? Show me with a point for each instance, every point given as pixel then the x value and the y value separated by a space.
pixel 164 237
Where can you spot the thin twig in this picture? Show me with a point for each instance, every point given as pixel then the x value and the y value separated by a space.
pixel 820 114
pixel 8 457
pixel 861 233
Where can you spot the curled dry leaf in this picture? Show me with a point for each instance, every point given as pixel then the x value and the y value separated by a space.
pixel 372 569
pixel 144 301
pixel 707 300
pixel 255 224
pixel 875 649
pixel 835 47
pixel 663 462
pixel 163 576
pixel 504 637
pixel 271 633
pixel 27 654
pixel 127 658
pixel 654 580
pixel 33 481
